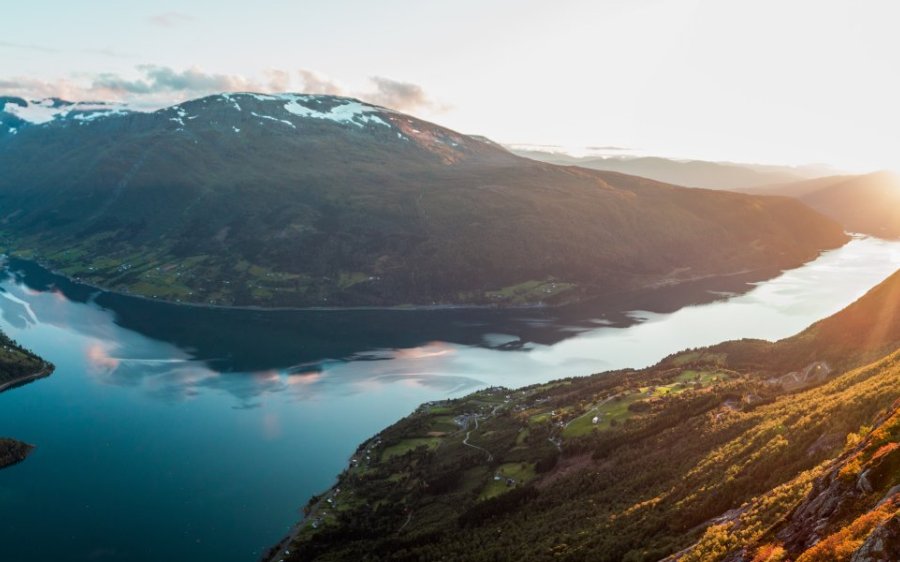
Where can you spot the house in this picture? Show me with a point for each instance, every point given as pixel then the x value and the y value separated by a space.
pixel 596 420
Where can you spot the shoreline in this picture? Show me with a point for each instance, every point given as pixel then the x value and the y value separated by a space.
pixel 272 553
pixel 656 285
pixel 25 379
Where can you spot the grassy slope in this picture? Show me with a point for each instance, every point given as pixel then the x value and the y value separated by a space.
pixel 334 215
pixel 651 485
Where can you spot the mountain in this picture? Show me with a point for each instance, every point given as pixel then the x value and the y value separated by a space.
pixel 16 112
pixel 727 453
pixel 868 204
pixel 689 173
pixel 300 200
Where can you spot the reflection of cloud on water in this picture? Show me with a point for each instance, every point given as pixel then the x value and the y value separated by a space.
pixel 427 351
pixel 16 311
pixel 99 360
pixel 307 378
pixel 52 307
pixel 271 426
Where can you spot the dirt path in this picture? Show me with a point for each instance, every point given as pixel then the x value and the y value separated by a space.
pixel 467 444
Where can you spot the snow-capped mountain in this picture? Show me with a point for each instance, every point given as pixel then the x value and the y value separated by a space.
pixel 237 113
pixel 296 199
pixel 16 112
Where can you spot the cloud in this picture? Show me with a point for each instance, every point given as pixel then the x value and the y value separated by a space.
pixel 162 79
pixel 27 47
pixel 170 19
pixel 157 86
pixel 402 96
pixel 33 88
pixel 154 86
pixel 315 84
pixel 279 80
pixel 106 52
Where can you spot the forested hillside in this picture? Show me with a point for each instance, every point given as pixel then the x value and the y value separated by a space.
pixel 296 200
pixel 867 204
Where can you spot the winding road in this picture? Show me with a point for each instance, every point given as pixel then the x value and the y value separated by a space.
pixel 467 444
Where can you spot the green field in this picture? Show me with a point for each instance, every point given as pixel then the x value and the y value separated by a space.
pixel 520 472
pixel 617 408
pixel 407 445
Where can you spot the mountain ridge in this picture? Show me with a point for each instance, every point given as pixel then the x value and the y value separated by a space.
pixel 685 172
pixel 868 203
pixel 299 200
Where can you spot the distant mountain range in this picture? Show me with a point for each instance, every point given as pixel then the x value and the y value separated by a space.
pixel 868 204
pixel 303 200
pixel 689 173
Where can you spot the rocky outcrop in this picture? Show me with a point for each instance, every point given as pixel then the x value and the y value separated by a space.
pixel 882 545
pixel 863 483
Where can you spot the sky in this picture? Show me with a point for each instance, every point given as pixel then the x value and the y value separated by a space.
pixel 786 81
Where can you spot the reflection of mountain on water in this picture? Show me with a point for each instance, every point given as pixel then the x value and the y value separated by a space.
pixel 232 340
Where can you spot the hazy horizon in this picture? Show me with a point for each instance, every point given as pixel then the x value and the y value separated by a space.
pixel 721 81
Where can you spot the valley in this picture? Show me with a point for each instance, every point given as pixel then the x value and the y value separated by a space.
pixel 480 281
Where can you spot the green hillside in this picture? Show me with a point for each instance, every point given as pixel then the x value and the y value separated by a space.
pixel 321 201
pixel 725 453
pixel 18 364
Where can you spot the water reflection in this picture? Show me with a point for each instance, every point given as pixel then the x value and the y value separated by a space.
pixel 250 340
pixel 206 429
pixel 176 352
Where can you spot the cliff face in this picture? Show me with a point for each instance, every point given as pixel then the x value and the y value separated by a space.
pixel 851 513
pixel 855 505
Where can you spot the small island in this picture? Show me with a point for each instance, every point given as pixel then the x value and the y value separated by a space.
pixel 12 451
pixel 18 366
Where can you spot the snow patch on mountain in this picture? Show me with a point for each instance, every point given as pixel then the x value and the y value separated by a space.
pixel 38 112
pixel 228 97
pixel 350 112
pixel 285 121
pixel 93 115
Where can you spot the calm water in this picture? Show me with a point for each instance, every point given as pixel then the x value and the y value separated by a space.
pixel 179 433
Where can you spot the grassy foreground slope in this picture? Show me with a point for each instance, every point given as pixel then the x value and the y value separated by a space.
pixel 299 200
pixel 746 451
